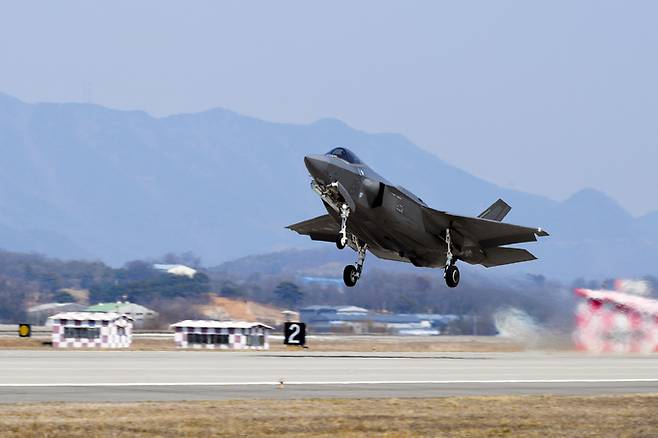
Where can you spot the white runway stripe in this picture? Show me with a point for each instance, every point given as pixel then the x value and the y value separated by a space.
pixel 323 383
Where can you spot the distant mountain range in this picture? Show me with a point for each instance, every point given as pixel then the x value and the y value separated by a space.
pixel 84 181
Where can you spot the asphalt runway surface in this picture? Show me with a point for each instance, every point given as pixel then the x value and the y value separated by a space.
pixel 97 376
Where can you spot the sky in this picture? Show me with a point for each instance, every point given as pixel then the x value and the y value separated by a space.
pixel 543 97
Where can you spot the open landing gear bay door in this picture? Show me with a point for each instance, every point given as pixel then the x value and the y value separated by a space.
pixel 323 228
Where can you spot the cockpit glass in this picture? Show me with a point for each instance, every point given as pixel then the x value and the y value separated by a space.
pixel 345 154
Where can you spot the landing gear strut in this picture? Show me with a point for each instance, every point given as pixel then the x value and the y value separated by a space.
pixel 451 272
pixel 342 234
pixel 352 273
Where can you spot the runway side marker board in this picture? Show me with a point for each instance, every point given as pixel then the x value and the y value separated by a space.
pixel 294 333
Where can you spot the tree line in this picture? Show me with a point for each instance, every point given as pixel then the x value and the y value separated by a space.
pixel 28 279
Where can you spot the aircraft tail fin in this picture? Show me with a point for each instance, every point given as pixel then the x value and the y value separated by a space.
pixel 496 212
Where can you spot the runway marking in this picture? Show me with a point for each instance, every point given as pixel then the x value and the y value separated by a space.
pixel 322 383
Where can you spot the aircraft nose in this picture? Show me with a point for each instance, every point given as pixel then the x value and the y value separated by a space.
pixel 316 165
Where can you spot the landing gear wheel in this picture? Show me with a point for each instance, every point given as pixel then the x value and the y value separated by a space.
pixel 340 244
pixel 452 276
pixel 350 275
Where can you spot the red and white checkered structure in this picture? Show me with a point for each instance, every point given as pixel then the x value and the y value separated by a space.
pixel 226 335
pixel 616 322
pixel 91 330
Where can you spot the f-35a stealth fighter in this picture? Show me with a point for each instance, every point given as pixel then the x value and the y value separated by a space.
pixel 366 212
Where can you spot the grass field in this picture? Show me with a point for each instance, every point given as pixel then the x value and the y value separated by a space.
pixel 414 344
pixel 334 343
pixel 527 416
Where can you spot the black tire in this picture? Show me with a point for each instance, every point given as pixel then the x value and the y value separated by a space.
pixel 452 276
pixel 339 244
pixel 350 275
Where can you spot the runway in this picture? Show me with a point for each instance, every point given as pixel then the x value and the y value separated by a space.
pixel 50 375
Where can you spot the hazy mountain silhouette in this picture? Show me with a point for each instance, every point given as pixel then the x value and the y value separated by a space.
pixel 80 180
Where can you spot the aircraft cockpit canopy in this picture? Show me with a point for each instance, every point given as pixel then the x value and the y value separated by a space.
pixel 345 154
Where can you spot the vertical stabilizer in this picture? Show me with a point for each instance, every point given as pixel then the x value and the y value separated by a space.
pixel 496 212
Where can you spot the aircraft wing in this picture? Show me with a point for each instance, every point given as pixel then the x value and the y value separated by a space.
pixel 323 228
pixel 487 233
pixel 326 229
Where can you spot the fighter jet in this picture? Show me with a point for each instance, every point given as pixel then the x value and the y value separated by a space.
pixel 368 213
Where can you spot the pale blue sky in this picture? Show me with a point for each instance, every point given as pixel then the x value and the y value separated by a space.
pixel 545 97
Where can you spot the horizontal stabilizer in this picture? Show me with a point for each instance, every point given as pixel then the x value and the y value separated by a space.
pixel 496 212
pixel 498 256
pixel 487 233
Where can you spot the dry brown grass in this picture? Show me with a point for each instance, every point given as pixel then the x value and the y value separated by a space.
pixel 16 343
pixel 428 344
pixel 241 310
pixel 528 416
pixel 380 344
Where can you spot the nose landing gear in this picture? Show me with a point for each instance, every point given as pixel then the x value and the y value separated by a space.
pixel 342 234
pixel 451 272
pixel 351 273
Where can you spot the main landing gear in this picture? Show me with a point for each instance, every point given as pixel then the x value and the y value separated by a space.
pixel 451 272
pixel 352 273
pixel 452 275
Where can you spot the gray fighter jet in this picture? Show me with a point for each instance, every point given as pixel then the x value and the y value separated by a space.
pixel 366 212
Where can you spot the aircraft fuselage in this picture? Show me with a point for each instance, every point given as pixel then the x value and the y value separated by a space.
pixel 383 218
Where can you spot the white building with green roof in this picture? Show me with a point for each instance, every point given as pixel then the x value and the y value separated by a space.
pixel 140 315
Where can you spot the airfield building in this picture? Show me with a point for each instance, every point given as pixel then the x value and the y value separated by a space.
pixel 238 335
pixel 142 317
pixel 91 330
pixel 357 320
pixel 38 315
